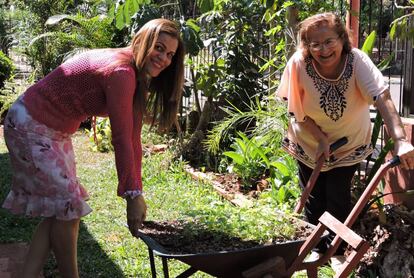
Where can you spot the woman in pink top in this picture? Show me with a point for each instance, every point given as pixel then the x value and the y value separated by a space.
pixel 141 81
pixel 329 87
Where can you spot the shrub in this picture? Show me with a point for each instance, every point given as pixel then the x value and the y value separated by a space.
pixel 6 69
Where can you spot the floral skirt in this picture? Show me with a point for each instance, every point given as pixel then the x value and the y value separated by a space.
pixel 44 179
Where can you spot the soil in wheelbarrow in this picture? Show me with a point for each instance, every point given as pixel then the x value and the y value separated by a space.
pixel 187 237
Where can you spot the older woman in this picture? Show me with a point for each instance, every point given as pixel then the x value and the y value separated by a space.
pixel 329 87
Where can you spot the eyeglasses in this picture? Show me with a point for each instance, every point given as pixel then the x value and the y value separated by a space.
pixel 329 43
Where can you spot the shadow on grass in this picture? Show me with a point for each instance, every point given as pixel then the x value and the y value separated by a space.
pixel 92 260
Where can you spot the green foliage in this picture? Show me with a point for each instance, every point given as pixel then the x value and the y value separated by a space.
pixel 369 43
pixel 267 118
pixel 232 31
pixel 190 33
pixel 46 43
pixel 284 181
pixel 259 223
pixel 205 5
pixel 43 9
pixel 6 68
pixel 103 135
pixel 123 11
pixel 6 38
pixel 207 76
pixel 249 158
pixel 402 27
pixel 8 96
pixel 133 14
pixel 380 159
pixel 69 34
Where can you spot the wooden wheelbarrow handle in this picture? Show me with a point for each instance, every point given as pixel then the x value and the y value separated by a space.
pixel 315 173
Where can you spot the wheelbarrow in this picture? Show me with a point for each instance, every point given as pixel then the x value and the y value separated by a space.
pixel 225 263
pixel 281 259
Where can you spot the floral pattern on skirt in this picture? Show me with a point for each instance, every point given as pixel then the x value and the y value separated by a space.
pixel 44 179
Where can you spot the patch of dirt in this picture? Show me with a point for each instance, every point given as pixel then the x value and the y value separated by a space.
pixel 184 237
pixel 391 237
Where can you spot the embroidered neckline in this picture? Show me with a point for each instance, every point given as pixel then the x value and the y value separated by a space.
pixel 332 92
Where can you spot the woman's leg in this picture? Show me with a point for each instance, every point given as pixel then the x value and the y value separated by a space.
pixel 315 206
pixel 338 194
pixel 60 236
pixel 39 250
pixel 64 239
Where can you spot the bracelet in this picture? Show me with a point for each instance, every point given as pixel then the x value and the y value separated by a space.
pixel 131 194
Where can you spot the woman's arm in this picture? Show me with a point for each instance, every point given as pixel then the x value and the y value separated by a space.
pixel 395 129
pixel 312 128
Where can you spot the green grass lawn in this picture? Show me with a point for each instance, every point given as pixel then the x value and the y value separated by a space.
pixel 106 248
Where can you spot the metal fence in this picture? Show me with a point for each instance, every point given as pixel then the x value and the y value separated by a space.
pixel 377 15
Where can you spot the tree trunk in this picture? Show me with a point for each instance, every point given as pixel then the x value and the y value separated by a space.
pixel 193 150
pixel 291 34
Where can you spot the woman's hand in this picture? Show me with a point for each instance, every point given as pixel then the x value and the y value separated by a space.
pixel 405 151
pixel 136 213
pixel 311 127
pixel 395 128
pixel 323 148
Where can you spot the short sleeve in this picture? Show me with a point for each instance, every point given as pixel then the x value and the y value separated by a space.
pixel 369 78
pixel 290 90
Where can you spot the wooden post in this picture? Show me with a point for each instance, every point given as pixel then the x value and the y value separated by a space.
pixel 352 21
pixel 292 14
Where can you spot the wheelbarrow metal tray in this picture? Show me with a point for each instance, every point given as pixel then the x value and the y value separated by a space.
pixel 231 263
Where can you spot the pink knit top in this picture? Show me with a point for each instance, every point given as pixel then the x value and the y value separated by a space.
pixel 79 89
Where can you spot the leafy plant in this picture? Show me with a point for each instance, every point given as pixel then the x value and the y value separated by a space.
pixel 402 26
pixel 284 181
pixel 8 96
pixel 249 158
pixel 101 135
pixel 266 118
pixel 123 11
pixel 69 34
pixel 6 68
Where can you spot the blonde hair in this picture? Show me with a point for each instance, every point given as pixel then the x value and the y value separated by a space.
pixel 324 19
pixel 165 90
